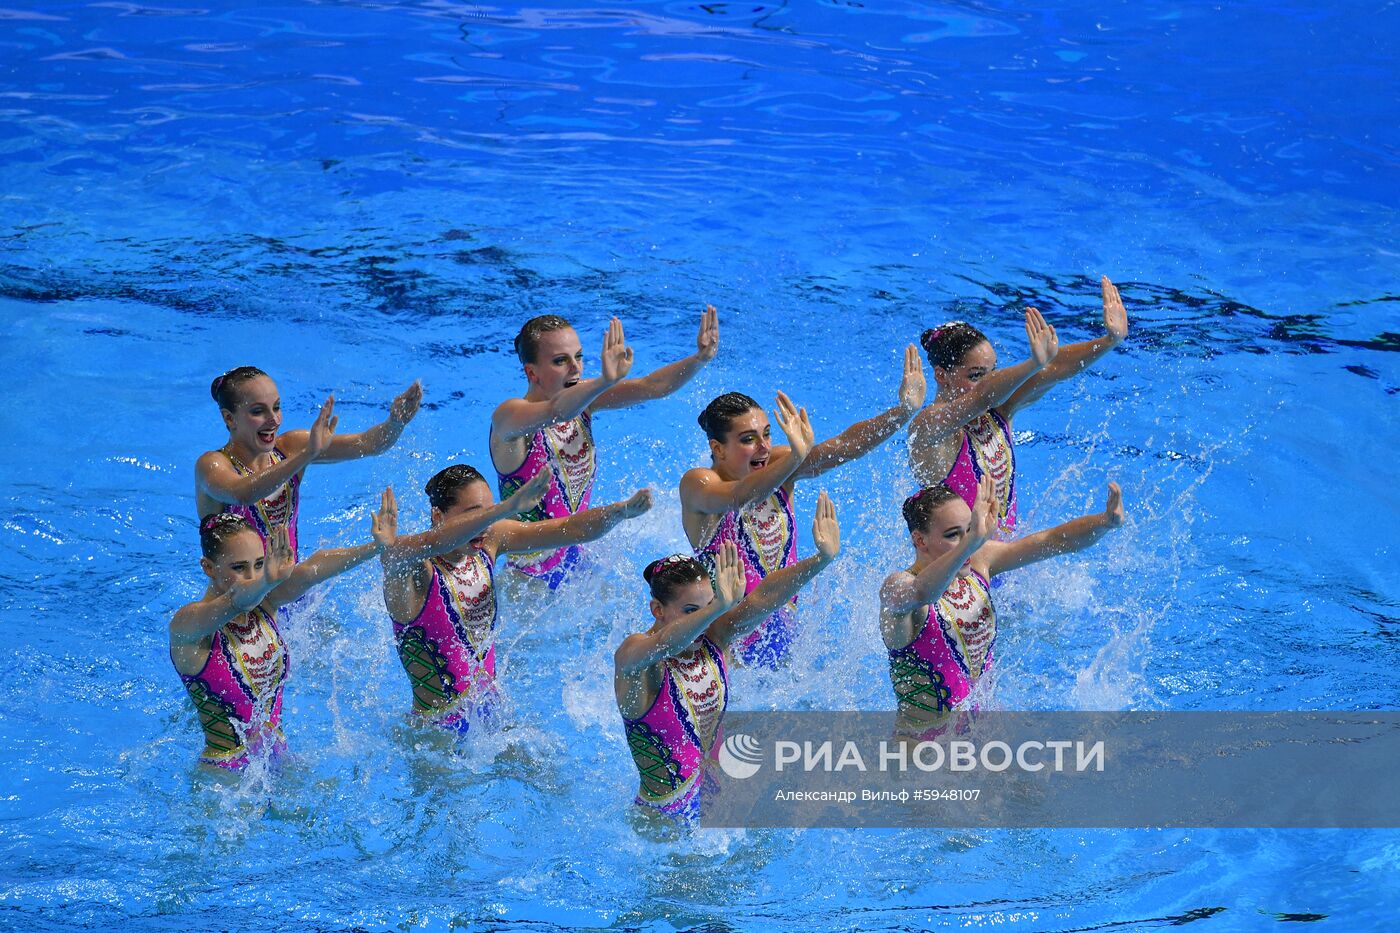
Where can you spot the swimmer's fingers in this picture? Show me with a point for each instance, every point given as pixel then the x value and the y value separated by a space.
pixel 707 341
pixel 405 404
pixel 729 577
pixel 533 491
pixel 639 504
pixel 617 356
pixel 1114 508
pixel 323 428
pixel 825 530
pixel 384 524
pixel 913 387
pixel 1115 316
pixel 1044 343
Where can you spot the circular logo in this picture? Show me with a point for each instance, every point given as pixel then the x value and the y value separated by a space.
pixel 740 756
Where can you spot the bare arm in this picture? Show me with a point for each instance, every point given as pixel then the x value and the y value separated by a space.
pixel 638 652
pixel 452 534
pixel 197 621
pixel 509 536
pixel 520 417
pixel 864 436
pixel 702 489
pixel 331 562
pixel 216 477
pixel 781 585
pixel 938 421
pixel 1072 536
pixel 667 379
pixel 1077 357
pixel 382 436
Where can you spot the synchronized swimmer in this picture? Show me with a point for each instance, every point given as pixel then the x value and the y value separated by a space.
pixel 732 600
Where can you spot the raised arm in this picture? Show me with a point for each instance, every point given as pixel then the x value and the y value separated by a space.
pixel 1076 357
pixel 197 621
pixel 216 477
pixel 457 531
pixel 638 652
pixel 1072 536
pixel 382 436
pixel 520 417
pixel 509 536
pixel 331 562
pixel 703 490
pixel 667 379
pixel 781 585
pixel 937 421
pixel 902 593
pixel 864 436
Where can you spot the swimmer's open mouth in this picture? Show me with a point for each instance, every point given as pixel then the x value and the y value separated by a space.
pixel 758 463
pixel 267 437
pixel 570 383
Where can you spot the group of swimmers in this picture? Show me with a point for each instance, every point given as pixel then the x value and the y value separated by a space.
pixel 732 600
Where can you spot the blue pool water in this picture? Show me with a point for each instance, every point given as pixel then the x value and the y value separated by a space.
pixel 354 195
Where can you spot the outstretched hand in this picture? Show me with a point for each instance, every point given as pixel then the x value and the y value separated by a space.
pixel 729 576
pixel 984 511
pixel 525 498
pixel 1115 316
pixel 707 340
pixel 825 531
pixel 639 504
pixel 913 388
pixel 617 355
pixel 1044 343
pixel 384 524
pixel 279 561
pixel 322 429
pixel 405 404
pixel 794 423
pixel 1113 511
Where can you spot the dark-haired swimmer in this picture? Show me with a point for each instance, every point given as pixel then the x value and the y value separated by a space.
pixel 550 429
pixel 966 431
pixel 227 648
pixel 745 495
pixel 937 617
pixel 672 682
pixel 439 587
pixel 257 474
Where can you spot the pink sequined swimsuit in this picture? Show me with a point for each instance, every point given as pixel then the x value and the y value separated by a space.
pixel 935 672
pixel 449 649
pixel 987 446
pixel 766 535
pixel 567 451
pixel 238 692
pixel 672 740
pixel 280 508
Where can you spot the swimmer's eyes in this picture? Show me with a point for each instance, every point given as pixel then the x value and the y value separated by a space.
pixel 259 564
pixel 690 609
pixel 747 438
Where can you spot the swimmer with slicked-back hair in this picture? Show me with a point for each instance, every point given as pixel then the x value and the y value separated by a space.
pixel 257 474
pixel 745 495
pixel 965 432
pixel 439 587
pixel 550 428
pixel 936 616
pixel 227 647
pixel 671 682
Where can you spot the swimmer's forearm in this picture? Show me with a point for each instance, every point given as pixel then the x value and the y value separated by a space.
pixel 930 582
pixel 854 442
pixel 1075 535
pixel 200 620
pixel 761 484
pixel 580 528
pixel 367 443
pixel 656 384
pixel 445 538
pixel 319 567
pixel 775 590
pixel 247 490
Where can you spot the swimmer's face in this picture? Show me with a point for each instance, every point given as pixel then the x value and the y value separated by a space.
pixel 472 497
pixel 240 561
pixel 746 447
pixel 254 423
pixel 687 600
pixel 558 361
pixel 979 362
pixel 948 527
